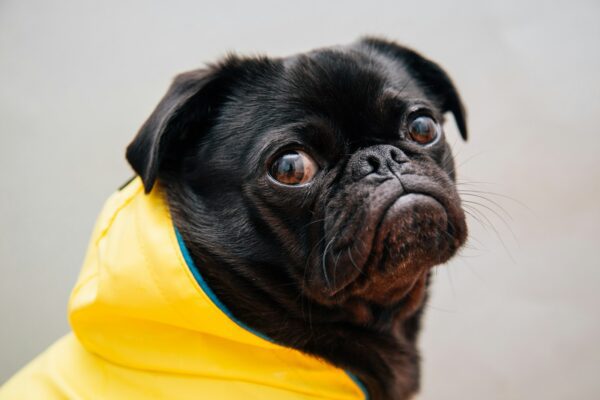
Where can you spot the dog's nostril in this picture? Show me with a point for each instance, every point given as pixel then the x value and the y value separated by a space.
pixel 374 163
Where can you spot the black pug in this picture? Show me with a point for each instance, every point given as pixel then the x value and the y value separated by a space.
pixel 315 193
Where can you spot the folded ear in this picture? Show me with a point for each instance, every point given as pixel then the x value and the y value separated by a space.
pixel 429 74
pixel 188 101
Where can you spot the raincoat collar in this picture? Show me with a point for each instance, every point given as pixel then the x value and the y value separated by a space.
pixel 140 303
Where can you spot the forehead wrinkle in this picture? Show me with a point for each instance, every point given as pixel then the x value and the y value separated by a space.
pixel 400 100
pixel 392 98
pixel 313 132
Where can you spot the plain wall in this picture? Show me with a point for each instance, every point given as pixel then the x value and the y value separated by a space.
pixel 514 317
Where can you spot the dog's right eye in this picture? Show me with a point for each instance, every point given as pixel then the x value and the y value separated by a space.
pixel 424 130
pixel 293 167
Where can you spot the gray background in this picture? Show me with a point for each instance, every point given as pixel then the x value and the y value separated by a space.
pixel 514 317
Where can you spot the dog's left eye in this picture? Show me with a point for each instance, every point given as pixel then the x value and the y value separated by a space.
pixel 293 167
pixel 423 129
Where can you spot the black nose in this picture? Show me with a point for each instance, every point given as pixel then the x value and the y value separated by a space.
pixel 380 160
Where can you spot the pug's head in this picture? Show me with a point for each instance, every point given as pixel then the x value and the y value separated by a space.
pixel 323 177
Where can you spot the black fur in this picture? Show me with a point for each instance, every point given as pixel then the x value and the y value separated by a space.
pixel 339 267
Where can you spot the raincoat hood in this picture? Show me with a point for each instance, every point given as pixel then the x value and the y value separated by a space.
pixel 146 325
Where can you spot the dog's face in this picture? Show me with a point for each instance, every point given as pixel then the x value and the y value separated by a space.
pixel 326 172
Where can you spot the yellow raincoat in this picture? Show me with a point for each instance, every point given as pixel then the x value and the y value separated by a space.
pixel 146 325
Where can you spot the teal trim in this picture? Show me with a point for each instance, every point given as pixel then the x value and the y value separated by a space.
pixel 213 297
pixel 359 383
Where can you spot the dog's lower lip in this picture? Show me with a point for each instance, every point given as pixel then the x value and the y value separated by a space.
pixel 411 197
pixel 404 200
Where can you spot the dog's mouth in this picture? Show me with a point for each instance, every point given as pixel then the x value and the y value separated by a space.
pixel 386 250
pixel 409 239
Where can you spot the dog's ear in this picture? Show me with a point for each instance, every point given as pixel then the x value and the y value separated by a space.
pixel 427 73
pixel 188 103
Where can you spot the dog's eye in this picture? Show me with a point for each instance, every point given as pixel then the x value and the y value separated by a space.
pixel 423 129
pixel 293 168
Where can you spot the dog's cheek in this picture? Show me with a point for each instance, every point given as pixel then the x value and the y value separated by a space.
pixel 445 160
pixel 282 219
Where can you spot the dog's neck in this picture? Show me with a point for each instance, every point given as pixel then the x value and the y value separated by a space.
pixel 377 345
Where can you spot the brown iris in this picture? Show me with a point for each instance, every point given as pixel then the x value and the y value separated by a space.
pixel 423 129
pixel 293 167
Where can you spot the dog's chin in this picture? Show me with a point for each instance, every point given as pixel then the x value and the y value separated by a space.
pixel 414 233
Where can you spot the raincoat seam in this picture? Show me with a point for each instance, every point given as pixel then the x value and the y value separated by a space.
pixel 156 281
pixel 121 205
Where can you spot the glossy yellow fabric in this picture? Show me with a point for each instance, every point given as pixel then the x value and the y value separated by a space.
pixel 144 328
